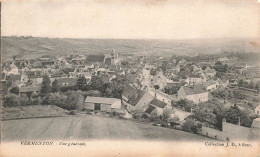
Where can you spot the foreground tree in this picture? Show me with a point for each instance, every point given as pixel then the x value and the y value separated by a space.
pixel 81 83
pixel 190 126
pixel 46 86
pixel 55 86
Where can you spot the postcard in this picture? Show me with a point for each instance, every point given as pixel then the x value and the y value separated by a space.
pixel 130 78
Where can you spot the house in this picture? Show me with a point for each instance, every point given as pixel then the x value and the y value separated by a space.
pixel 13 69
pixel 157 107
pixel 29 89
pixel 164 97
pixel 257 110
pixel 223 59
pixel 33 76
pixel 210 85
pixel 210 72
pixel 136 100
pixel 102 104
pixel 194 80
pixel 12 78
pixel 160 80
pixel 233 82
pixel 65 82
pixel 196 93
pixel 195 68
pixel 223 82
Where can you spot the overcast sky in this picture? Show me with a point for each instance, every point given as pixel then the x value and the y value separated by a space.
pixel 114 19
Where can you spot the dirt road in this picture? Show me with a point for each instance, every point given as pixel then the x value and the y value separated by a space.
pixel 88 127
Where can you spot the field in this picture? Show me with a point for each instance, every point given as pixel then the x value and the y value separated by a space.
pixel 84 126
pixel 31 47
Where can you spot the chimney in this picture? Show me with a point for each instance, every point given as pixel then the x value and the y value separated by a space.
pixel 238 121
pixel 223 120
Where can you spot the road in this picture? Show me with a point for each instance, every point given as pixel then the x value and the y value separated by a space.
pixel 89 127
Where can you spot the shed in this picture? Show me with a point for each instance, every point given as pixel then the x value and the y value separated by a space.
pixel 102 104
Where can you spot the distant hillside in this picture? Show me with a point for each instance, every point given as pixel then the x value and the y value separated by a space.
pixel 31 47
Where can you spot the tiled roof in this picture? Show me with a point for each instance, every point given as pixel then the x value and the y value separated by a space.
pixel 158 103
pixel 68 80
pixel 14 77
pixel 101 100
pixel 136 97
pixel 150 109
pixel 29 89
pixel 209 83
pixel 129 91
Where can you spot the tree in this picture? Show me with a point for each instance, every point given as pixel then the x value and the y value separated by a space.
pixel 11 100
pixel 251 85
pixel 14 90
pixel 81 83
pixel 55 86
pixel 185 104
pixel 220 67
pixel 241 83
pixel 156 87
pixel 46 86
pixel 190 125
pixel 29 94
pixel 171 90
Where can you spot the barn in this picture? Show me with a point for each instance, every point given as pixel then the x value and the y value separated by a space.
pixel 102 104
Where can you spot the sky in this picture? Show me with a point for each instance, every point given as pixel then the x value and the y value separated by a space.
pixel 125 19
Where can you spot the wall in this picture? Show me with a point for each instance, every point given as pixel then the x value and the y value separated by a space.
pixel 231 131
pixel 105 107
pixel 89 106
pixel 161 96
pixel 202 97
pixel 116 104
pixel 213 133
pixel 235 131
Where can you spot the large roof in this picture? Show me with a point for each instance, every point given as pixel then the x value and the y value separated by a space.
pixel 158 103
pixel 150 109
pixel 68 80
pixel 101 100
pixel 129 91
pixel 209 83
pixel 29 89
pixel 136 97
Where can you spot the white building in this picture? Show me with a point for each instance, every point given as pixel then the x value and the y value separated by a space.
pixel 102 104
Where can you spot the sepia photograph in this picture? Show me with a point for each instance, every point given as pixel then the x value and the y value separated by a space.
pixel 130 78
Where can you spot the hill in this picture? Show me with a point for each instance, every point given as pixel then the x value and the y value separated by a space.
pixel 31 47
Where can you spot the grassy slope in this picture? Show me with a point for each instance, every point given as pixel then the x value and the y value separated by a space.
pixel 33 47
pixel 84 127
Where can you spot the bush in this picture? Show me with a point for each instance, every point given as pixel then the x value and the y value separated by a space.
pixel 14 90
pixel 190 126
pixel 68 101
pixel 11 100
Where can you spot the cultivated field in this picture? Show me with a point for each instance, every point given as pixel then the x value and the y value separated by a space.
pixel 89 127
